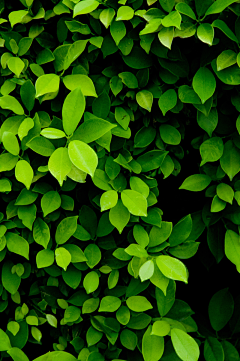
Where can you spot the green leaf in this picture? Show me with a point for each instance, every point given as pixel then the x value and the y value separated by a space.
pixel 52 133
pixel 211 150
pixel 73 109
pixel 136 250
pixel 172 19
pixel 92 129
pixel 135 202
pixel 24 173
pixel 225 192
pixel 89 306
pixel 82 81
pixel 232 247
pixel 65 229
pixel 213 349
pixel 47 83
pixel 73 52
pixel 17 244
pixel 10 143
pixel 10 281
pixel 208 123
pixel 137 59
pixel 128 339
pixel 140 235
pixel 205 33
pixel 16 65
pixel 218 6
pixel 184 345
pixel 225 59
pixel 63 257
pixel 204 84
pixel 13 327
pixel 93 255
pixel 122 117
pixel 106 16
pixel 146 270
pixel 167 101
pixel 169 134
pixel 166 36
pixel 45 258
pixel 124 13
pixel 85 7
pixel 185 9
pixel 59 164
pixel 225 29
pixel 24 127
pixel 83 156
pixel 16 17
pixel 172 268
pixel 160 328
pixel 51 320
pixel 72 314
pixel 230 76
pixel 119 216
pixel 91 282
pixel 181 231
pixel 167 5
pixel 144 98
pixel 138 304
pixel 50 202
pixel 217 204
pixel 196 182
pixel 230 160
pixel 5 344
pixel 108 200
pixel 220 309
pixel 11 103
pixel 109 304
pixel 41 146
pixel 152 346
pixel 41 232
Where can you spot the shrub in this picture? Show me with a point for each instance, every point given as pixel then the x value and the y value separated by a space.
pixel 115 117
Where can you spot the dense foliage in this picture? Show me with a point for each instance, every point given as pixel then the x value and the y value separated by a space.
pixel 105 107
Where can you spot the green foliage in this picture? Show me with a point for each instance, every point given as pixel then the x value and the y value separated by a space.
pixel 100 103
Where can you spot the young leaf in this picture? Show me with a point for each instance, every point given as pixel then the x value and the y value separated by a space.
pixel 184 345
pixel 72 110
pixel 85 7
pixel 119 216
pixel 205 33
pixel 135 202
pixel 144 98
pixel 108 200
pixel 83 156
pixel 211 150
pixel 24 173
pixel 138 304
pixel 91 282
pixel 124 13
pixel 196 182
pixel 152 346
pixel 17 244
pixel 48 83
pixel 109 304
pixel 50 202
pixel 204 84
pixel 11 103
pixel 41 232
pixel 172 268
pixel 59 164
pixel 63 257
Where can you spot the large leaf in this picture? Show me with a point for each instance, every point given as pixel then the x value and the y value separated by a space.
pixel 72 110
pixel 11 103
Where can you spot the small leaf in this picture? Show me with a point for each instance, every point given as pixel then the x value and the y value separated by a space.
pixel 108 200
pixel 138 304
pixel 59 164
pixel 109 304
pixel 47 83
pixel 17 244
pixel 146 270
pixel 73 109
pixel 135 202
pixel 91 282
pixel 83 156
pixel 85 7
pixel 145 99
pixel 167 101
pixel 184 345
pixel 63 257
pixel 196 182
pixel 124 13
pixel 172 268
pixel 45 258
pixel 50 202
pixel 204 84
pixel 24 173
pixel 205 33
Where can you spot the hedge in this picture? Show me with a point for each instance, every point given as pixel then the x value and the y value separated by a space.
pixel 120 180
